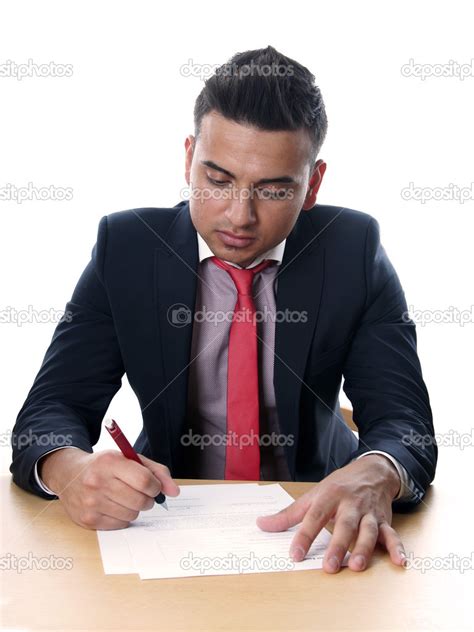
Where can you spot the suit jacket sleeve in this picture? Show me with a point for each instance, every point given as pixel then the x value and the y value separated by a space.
pixel 80 373
pixel 383 377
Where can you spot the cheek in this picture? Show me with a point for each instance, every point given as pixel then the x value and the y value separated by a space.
pixel 278 222
pixel 205 214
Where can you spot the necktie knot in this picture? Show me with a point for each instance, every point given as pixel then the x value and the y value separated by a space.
pixel 242 277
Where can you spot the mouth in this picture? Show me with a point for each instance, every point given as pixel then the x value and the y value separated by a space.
pixel 235 241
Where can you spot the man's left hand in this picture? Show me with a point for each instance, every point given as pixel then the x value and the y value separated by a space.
pixel 357 499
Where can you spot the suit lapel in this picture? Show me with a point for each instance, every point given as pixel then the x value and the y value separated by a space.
pixel 300 283
pixel 176 264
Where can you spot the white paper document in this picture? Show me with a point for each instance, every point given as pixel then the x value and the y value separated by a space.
pixel 208 530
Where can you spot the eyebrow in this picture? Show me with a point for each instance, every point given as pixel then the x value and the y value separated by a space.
pixel 283 179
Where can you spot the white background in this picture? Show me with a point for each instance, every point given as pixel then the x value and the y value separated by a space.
pixel 114 132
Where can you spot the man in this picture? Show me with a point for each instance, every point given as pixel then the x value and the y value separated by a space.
pixel 251 241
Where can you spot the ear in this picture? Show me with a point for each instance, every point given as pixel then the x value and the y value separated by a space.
pixel 189 151
pixel 314 184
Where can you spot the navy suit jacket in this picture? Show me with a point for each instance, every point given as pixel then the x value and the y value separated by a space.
pixel 144 263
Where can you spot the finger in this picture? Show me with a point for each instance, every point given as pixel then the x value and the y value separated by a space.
pixel 106 523
pixel 365 543
pixel 163 474
pixel 345 530
pixel 393 543
pixel 141 478
pixel 119 492
pixel 138 477
pixel 96 518
pixel 286 518
pixel 117 511
pixel 317 515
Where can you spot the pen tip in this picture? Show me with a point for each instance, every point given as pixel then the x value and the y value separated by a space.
pixel 163 504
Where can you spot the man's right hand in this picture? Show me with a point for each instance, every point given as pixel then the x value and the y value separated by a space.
pixel 104 490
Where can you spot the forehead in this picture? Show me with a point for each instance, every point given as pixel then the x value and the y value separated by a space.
pixel 238 144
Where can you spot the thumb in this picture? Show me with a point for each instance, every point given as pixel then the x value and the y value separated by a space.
pixel 286 518
pixel 162 473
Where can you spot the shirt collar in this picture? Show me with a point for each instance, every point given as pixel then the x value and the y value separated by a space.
pixel 274 253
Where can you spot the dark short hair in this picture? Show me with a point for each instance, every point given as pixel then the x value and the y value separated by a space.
pixel 266 89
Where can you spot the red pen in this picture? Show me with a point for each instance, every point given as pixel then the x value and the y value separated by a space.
pixel 128 452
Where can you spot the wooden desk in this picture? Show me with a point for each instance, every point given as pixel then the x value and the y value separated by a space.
pixel 380 598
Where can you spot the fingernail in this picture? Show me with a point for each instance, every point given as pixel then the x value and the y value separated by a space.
pixel 359 562
pixel 333 563
pixel 403 558
pixel 297 554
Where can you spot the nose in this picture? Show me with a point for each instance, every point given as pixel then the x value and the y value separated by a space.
pixel 241 211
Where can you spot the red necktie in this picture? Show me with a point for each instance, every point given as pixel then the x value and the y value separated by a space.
pixel 243 449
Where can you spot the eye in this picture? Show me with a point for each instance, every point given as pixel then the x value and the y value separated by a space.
pixel 273 194
pixel 268 194
pixel 217 182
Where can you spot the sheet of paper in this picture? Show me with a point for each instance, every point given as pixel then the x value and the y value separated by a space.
pixel 116 556
pixel 211 530
pixel 114 548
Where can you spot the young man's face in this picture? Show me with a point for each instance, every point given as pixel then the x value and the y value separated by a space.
pixel 250 183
